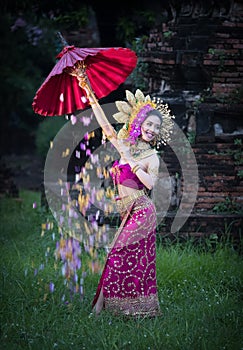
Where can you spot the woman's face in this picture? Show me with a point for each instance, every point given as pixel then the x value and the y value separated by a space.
pixel 150 128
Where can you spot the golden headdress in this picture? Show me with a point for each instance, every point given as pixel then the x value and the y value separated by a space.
pixel 133 113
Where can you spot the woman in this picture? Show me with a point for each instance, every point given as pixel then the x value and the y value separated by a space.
pixel 128 282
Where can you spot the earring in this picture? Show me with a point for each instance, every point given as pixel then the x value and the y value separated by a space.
pixel 154 142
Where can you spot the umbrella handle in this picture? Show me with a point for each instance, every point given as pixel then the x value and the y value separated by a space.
pixel 85 84
pixel 79 72
pixel 101 117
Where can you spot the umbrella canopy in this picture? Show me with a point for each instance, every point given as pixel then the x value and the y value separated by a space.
pixel 106 69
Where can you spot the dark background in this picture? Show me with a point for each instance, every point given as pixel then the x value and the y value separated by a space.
pixel 29 45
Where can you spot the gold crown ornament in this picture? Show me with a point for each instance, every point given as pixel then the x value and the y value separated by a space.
pixel 133 113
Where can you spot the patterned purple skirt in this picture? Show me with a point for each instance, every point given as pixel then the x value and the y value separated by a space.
pixel 128 280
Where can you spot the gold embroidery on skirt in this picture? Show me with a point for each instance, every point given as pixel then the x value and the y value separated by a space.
pixel 141 202
pixel 139 306
pixel 129 208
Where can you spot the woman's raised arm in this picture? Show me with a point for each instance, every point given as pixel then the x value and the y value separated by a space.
pixel 104 123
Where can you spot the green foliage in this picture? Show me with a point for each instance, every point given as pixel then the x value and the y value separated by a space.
pixel 238 142
pixel 168 34
pixel 132 30
pixel 236 153
pixel 191 135
pixel 47 130
pixel 135 24
pixel 30 42
pixel 234 97
pixel 221 55
pixel 138 75
pixel 125 29
pixel 73 19
pixel 42 8
pixel 28 56
pixel 228 206
pixel 240 174
pixel 199 292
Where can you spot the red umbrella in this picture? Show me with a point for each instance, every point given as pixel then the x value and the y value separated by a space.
pixel 106 69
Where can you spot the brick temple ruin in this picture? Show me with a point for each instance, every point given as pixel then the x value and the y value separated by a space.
pixel 194 62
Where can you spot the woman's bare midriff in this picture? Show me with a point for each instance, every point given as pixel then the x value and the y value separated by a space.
pixel 125 191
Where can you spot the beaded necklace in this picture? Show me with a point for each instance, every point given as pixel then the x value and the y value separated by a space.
pixel 141 149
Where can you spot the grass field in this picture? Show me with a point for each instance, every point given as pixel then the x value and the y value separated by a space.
pixel 199 293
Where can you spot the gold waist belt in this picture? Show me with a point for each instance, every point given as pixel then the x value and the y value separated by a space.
pixel 124 202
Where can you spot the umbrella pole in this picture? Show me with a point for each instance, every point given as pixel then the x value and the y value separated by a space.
pixel 83 81
pixel 85 84
pixel 102 119
pixel 79 72
pixel 91 92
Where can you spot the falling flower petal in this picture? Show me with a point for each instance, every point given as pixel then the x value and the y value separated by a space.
pixel 66 153
pixel 82 146
pixel 86 121
pixel 52 287
pixel 86 136
pixel 97 215
pixel 61 98
pixel 94 158
pixel 73 119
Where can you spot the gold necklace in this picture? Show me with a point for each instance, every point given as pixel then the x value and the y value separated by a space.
pixel 140 148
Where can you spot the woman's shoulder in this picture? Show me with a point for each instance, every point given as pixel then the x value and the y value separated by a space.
pixel 153 155
pixel 154 158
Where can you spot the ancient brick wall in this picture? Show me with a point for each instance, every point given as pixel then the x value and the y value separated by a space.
pixel 219 203
pixel 197 52
pixel 219 177
pixel 224 60
pixel 195 63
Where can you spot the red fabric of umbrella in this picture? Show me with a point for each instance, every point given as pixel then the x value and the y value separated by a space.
pixel 106 69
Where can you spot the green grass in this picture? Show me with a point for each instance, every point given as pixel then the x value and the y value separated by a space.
pixel 199 294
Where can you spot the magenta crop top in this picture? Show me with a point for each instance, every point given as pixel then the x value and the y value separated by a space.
pixel 122 174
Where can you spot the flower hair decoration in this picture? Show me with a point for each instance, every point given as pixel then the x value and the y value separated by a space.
pixel 133 113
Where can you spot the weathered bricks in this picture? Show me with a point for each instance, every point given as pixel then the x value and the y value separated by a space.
pixel 213 46
pixel 218 182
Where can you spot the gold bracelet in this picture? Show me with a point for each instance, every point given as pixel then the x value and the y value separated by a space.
pixel 92 103
pixel 139 168
pixel 135 168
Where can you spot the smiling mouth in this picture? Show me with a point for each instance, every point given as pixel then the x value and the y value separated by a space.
pixel 149 134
